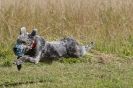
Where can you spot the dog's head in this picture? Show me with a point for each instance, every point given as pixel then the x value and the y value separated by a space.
pixel 24 42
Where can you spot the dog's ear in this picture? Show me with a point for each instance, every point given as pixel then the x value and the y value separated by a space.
pixel 34 32
pixel 23 30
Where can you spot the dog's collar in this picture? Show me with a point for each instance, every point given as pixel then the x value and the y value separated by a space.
pixel 33 45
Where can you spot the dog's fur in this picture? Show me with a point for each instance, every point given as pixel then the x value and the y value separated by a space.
pixel 43 50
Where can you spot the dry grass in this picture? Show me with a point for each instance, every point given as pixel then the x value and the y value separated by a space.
pixel 106 22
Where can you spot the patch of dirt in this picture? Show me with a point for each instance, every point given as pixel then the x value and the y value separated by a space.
pixel 104 58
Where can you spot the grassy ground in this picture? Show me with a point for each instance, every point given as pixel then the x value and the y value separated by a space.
pixel 109 23
pixel 99 71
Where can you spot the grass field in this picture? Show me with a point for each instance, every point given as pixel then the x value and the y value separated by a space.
pixel 108 23
pixel 100 71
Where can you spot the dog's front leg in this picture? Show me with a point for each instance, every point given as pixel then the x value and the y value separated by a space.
pixel 36 59
pixel 23 59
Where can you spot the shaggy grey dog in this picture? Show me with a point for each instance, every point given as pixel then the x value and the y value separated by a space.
pixel 33 48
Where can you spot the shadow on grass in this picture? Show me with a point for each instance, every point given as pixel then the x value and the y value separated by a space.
pixel 7 84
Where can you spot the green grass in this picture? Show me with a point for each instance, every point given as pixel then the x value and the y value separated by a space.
pixel 108 23
pixel 114 73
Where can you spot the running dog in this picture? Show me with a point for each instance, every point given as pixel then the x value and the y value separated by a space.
pixel 33 48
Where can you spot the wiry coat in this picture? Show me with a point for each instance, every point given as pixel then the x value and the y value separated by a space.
pixel 43 50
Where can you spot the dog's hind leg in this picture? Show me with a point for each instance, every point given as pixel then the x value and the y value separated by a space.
pixel 89 46
pixel 86 48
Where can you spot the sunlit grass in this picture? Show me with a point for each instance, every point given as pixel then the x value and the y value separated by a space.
pixel 115 73
pixel 108 23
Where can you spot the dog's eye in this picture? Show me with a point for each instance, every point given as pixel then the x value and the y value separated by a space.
pixel 23 42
